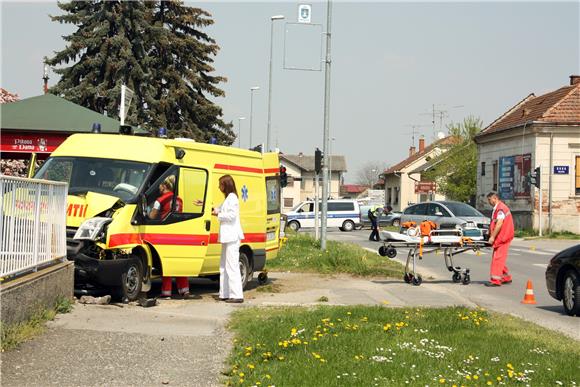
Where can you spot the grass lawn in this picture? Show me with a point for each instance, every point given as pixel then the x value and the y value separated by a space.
pixel 554 235
pixel 377 346
pixel 302 254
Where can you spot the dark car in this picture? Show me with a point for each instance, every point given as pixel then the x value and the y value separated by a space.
pixel 392 219
pixel 563 279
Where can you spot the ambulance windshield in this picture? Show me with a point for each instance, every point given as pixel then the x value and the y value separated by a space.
pixel 119 178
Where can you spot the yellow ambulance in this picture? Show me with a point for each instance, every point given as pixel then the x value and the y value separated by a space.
pixel 114 180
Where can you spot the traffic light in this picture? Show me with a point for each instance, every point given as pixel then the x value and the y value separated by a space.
pixel 537 177
pixel 318 161
pixel 283 176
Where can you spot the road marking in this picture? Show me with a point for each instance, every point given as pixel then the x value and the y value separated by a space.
pixel 536 252
pixel 542 265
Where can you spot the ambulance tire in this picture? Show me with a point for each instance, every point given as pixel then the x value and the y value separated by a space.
pixel 294 225
pixel 571 293
pixel 245 269
pixel 132 280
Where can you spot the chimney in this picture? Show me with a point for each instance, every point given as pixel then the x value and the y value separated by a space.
pixel 421 144
pixel 45 78
pixel 411 151
pixel 574 80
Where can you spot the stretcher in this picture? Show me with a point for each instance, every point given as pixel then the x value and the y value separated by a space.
pixel 450 242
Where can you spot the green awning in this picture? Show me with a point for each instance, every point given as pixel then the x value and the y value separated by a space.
pixel 54 114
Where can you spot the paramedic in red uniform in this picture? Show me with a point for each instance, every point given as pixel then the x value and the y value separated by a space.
pixel 162 208
pixel 501 234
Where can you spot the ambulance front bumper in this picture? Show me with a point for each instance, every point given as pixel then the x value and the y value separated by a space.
pixel 98 272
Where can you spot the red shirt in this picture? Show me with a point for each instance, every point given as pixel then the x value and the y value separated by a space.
pixel 506 233
pixel 165 204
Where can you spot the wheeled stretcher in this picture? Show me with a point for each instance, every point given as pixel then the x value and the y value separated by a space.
pixel 451 242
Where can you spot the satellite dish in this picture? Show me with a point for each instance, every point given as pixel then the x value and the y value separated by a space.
pixel 440 135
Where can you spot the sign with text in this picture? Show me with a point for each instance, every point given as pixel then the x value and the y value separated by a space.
pixel 304 13
pixel 425 187
pixel 29 143
pixel 512 176
pixel 561 169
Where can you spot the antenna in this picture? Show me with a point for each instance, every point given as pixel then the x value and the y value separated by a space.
pixel 442 113
pixel 414 131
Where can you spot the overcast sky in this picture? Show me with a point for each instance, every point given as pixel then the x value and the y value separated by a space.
pixel 391 61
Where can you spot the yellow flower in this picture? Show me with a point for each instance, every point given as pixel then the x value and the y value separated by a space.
pixel 241 381
pixel 475 377
pixel 268 376
pixel 498 378
pixel 442 381
pixel 293 331
pixel 489 383
pixel 349 313
pixel 468 377
pixel 241 374
pixel 281 358
pixel 510 366
pixel 251 366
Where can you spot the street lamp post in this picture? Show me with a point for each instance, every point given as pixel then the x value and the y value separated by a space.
pixel 252 89
pixel 240 130
pixel 330 166
pixel 268 130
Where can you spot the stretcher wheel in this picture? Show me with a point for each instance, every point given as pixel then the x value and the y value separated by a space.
pixel 262 278
pixel 417 280
pixel 408 277
pixel 391 252
pixel 456 277
pixel 383 251
pixel 466 279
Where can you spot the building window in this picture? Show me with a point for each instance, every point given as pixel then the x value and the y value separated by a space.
pixel 483 168
pixel 288 202
pixel 494 167
pixel 302 184
pixel 389 198
pixel 577 175
pixel 396 193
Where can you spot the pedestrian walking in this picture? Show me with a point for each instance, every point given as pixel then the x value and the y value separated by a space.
pixel 161 208
pixel 501 234
pixel 373 215
pixel 230 235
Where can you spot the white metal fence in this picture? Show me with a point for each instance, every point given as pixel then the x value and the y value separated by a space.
pixel 33 224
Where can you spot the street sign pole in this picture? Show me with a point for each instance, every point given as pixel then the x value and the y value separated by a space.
pixel 316 209
pixel 540 197
pixel 326 137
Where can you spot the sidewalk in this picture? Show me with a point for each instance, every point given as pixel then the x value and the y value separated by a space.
pixel 182 343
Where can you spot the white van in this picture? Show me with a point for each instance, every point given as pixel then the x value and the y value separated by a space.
pixel 344 214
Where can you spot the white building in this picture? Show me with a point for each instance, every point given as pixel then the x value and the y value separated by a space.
pixel 300 171
pixel 403 184
pixel 539 131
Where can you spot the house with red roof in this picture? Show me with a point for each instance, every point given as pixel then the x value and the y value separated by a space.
pixel 538 132
pixel 403 183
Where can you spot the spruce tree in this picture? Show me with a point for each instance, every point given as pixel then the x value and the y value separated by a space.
pixel 158 50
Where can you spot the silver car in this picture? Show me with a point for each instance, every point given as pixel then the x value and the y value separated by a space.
pixel 448 214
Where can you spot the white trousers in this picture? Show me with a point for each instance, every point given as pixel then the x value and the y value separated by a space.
pixel 230 276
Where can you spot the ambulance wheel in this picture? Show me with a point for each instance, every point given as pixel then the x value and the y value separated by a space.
pixel 571 293
pixel 466 279
pixel 348 225
pixel 383 251
pixel 391 252
pixel 294 225
pixel 245 269
pixel 132 279
pixel 416 281
pixel 456 277
pixel 262 278
pixel 408 277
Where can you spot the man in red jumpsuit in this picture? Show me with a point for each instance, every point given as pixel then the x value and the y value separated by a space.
pixel 501 234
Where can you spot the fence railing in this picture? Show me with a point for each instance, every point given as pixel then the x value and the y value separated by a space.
pixel 32 224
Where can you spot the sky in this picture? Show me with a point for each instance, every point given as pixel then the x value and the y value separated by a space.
pixel 391 62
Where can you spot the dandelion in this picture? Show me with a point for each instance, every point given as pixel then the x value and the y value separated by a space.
pixel 442 381
pixel 241 374
pixel 251 366
pixel 268 376
pixel 489 383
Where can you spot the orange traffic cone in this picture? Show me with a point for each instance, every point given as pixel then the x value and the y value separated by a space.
pixel 529 297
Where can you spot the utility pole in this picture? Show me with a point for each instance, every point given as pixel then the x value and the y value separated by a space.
pixel 326 136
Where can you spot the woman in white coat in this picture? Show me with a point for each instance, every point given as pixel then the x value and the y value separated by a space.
pixel 230 236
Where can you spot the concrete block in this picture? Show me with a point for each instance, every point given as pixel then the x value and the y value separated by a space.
pixel 21 297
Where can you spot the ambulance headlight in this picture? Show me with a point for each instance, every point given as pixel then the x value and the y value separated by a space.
pixel 91 229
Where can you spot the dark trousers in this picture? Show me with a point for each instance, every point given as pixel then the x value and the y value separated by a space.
pixel 375 233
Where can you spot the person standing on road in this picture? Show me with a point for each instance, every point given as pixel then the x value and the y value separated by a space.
pixel 373 215
pixel 162 208
pixel 230 235
pixel 501 234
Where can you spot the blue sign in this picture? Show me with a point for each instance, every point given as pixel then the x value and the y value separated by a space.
pixel 244 193
pixel 506 177
pixel 561 169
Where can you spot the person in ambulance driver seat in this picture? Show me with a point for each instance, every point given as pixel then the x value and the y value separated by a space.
pixel 162 208
pixel 501 234
pixel 230 235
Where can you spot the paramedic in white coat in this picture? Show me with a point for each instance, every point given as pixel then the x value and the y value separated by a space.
pixel 230 236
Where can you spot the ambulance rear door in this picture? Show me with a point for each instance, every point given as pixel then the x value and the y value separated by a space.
pixel 272 215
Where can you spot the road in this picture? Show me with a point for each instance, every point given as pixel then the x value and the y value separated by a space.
pixel 527 260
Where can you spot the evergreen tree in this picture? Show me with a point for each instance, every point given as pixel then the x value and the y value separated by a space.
pixel 157 49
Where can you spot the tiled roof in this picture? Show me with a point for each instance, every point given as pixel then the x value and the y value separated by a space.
pixel 306 163
pixel 354 188
pixel 449 140
pixel 559 106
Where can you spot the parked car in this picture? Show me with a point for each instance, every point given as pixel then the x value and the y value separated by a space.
pixel 391 219
pixel 448 215
pixel 344 214
pixel 563 279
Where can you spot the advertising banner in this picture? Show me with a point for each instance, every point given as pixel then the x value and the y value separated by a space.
pixel 512 176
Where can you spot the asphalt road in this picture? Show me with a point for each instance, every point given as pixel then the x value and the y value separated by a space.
pixel 526 260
